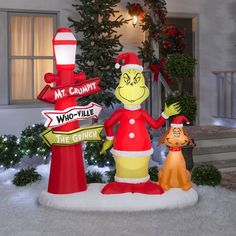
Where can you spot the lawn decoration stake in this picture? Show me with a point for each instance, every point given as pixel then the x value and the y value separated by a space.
pixel 67 174
pixel 131 144
pixel 174 173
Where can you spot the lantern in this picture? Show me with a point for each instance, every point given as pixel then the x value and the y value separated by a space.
pixel 64 45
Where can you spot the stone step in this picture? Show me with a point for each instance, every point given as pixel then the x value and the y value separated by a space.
pixel 216 142
pixel 214 157
pixel 210 132
pixel 222 165
pixel 213 146
pixel 214 150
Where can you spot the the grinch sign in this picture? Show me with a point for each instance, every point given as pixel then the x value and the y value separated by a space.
pixel 90 133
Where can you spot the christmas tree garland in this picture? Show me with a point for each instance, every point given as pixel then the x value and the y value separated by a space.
pixel 153 23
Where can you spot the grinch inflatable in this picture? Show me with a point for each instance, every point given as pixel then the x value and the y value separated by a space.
pixel 132 146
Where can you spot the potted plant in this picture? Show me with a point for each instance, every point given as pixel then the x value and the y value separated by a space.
pixel 179 67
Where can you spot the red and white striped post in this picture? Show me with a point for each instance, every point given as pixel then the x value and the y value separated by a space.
pixel 67 173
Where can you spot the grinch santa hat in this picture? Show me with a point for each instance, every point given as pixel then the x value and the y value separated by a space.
pixel 178 121
pixel 131 61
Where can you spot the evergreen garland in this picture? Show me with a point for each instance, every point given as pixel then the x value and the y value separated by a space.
pixel 98 21
pixel 26 176
pixel 31 144
pixel 9 155
pixel 153 22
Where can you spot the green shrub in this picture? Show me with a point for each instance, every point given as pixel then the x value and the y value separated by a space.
pixel 187 102
pixel 206 175
pixel 153 172
pixel 26 176
pixel 9 151
pixel 93 156
pixel 94 177
pixel 31 143
pixel 110 175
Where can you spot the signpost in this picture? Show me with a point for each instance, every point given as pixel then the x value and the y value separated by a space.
pixel 57 118
pixel 64 135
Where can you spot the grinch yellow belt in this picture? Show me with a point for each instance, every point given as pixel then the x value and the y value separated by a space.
pixel 132 167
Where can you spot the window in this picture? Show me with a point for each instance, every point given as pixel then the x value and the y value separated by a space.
pixel 30 54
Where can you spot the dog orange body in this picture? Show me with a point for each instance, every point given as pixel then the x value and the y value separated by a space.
pixel 174 173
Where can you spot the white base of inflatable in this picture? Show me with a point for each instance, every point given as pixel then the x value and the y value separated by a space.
pixel 93 200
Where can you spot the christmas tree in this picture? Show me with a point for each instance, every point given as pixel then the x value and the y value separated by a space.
pixel 98 21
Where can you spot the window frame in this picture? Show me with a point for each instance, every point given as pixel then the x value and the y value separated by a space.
pixel 5 79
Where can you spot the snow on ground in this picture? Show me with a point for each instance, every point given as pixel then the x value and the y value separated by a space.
pixel 21 215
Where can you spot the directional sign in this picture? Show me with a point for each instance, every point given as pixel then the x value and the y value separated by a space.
pixel 51 94
pixel 58 118
pixel 90 133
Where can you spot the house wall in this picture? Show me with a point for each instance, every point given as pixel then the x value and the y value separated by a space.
pixel 14 118
pixel 216 50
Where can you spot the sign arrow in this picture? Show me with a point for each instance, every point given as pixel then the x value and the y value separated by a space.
pixel 58 118
pixel 51 94
pixel 90 133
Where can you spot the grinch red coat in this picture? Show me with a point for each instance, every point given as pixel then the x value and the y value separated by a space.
pixel 132 138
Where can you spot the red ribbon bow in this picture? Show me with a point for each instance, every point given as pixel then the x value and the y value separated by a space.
pixel 155 69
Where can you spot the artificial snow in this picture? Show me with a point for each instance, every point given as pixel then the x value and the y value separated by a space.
pixel 93 200
pixel 21 215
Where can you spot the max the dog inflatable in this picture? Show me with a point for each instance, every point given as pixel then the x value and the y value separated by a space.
pixel 131 143
pixel 174 173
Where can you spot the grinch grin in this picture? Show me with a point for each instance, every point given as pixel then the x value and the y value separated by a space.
pixel 131 100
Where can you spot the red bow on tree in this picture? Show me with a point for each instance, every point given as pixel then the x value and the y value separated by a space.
pixel 155 69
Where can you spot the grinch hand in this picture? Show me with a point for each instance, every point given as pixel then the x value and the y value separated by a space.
pixel 131 143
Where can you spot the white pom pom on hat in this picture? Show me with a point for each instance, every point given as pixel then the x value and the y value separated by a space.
pixel 117 66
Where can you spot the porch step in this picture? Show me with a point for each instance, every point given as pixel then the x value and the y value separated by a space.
pixel 214 157
pixel 215 145
pixel 210 132
pixel 223 165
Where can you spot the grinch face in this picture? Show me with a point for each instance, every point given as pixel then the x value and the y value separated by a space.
pixel 176 137
pixel 132 89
